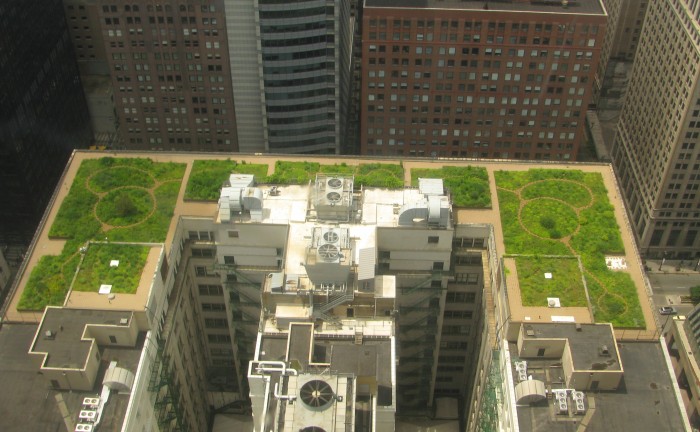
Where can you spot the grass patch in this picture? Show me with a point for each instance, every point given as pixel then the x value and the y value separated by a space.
pixel 367 175
pixel 207 176
pixel 97 181
pixel 293 172
pixel 566 282
pixel 469 186
pixel 119 176
pixel 549 218
pixel 96 270
pixel 124 206
pixel 569 192
pixel 613 294
pixel 50 279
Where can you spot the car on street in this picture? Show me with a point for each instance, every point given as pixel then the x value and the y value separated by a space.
pixel 667 310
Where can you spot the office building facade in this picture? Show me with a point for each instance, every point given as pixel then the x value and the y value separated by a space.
pixel 656 153
pixel 291 72
pixel 221 75
pixel 504 80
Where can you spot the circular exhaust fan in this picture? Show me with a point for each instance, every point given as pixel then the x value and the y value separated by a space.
pixel 333 197
pixel 328 252
pixel 316 394
pixel 331 236
pixel 335 183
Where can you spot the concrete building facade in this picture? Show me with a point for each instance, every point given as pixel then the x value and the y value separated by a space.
pixel 682 343
pixel 504 80
pixel 655 152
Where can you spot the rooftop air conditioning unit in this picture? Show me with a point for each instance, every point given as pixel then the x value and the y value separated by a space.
pixel 334 183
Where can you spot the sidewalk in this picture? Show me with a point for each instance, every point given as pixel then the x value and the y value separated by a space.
pixel 688 267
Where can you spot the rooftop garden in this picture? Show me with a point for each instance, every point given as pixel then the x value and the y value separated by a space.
pixel 468 186
pixel 207 176
pixel 115 199
pixel 368 175
pixel 566 281
pixel 567 212
pixel 119 265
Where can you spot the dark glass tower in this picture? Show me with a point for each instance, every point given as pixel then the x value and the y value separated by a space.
pixel 43 112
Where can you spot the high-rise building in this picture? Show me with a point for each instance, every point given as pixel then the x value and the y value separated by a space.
pixel 324 305
pixel 683 342
pixel 169 67
pixel 625 19
pixel 478 79
pixel 656 152
pixel 291 69
pixel 222 75
pixel 43 113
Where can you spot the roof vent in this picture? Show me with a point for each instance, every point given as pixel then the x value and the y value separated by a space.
pixel 603 350
pixel 331 236
pixel 333 197
pixel 316 394
pixel 335 183
pixel 328 252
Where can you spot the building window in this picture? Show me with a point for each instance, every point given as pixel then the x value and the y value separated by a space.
pixel 452 359
pixel 457 314
pixel 233 234
pixel 213 307
pixel 210 290
pixel 433 239
pixel 202 253
pixel 201 235
pixel 219 338
pixel 215 322
pixel 451 345
pixel 438 265
pixel 228 259
pixel 460 297
pixel 455 329
pixel 200 271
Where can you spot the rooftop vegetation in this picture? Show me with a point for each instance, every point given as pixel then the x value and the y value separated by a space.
pixel 567 212
pixel 468 186
pixel 207 176
pixel 566 282
pixel 368 175
pixel 96 268
pixel 119 199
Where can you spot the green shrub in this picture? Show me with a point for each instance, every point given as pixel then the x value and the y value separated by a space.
pixel 547 222
pixel 124 206
pixel 207 177
pixel 468 186
pixel 293 172
pixel 695 294
pixel 369 175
